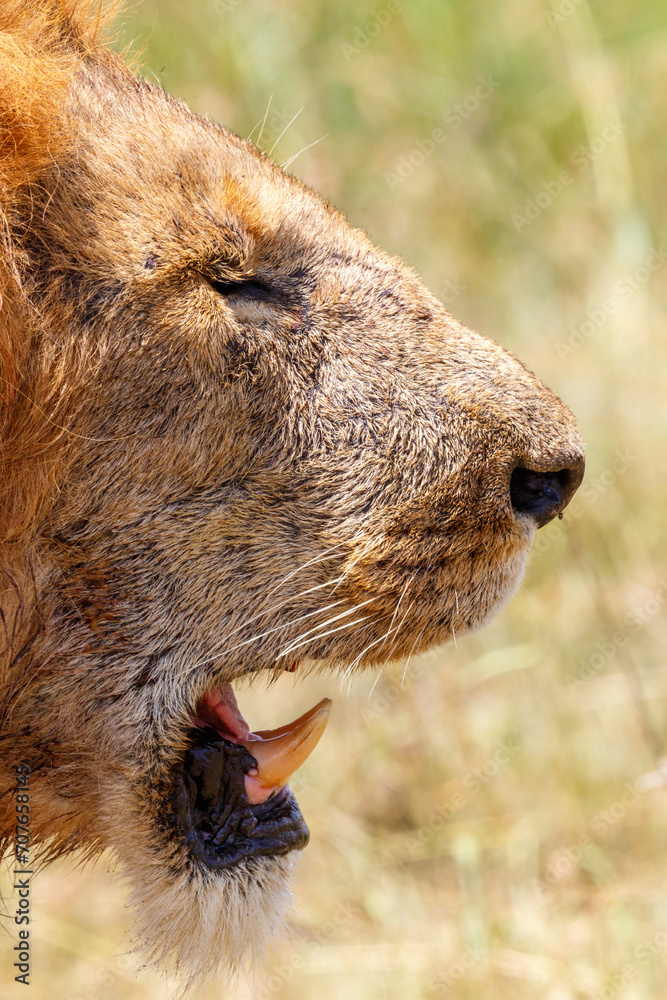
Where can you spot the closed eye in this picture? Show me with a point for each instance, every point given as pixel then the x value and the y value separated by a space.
pixel 246 287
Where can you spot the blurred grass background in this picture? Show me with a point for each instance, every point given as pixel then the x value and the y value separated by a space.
pixel 494 824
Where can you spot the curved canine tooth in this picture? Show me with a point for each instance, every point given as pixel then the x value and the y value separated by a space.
pixel 280 752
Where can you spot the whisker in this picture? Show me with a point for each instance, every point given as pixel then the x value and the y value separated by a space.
pixel 370 646
pixel 315 559
pixel 456 597
pixel 318 558
pixel 379 674
pixel 243 625
pixel 350 611
pixel 415 643
pixel 398 603
pixel 348 669
pixel 349 569
pixel 286 163
pixel 398 628
pixel 217 649
pixel 286 600
pixel 323 634
pixel 263 121
pixel 284 130
pixel 374 643
pixel 407 664
pixel 344 674
pixel 276 628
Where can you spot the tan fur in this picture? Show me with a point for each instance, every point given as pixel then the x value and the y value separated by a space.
pixel 194 485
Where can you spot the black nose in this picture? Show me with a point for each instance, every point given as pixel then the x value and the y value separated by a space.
pixel 543 495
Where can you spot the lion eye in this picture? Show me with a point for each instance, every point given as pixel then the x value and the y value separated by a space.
pixel 246 287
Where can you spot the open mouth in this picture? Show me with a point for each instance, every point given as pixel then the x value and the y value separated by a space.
pixel 230 791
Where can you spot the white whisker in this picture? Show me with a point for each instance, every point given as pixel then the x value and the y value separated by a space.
pixel 315 559
pixel 284 130
pixel 456 598
pixel 269 631
pixel 410 606
pixel 398 629
pixel 281 583
pixel 218 651
pixel 370 646
pixel 350 611
pixel 349 569
pixel 407 664
pixel 275 607
pixel 379 675
pixel 344 675
pixel 263 121
pixel 398 603
pixel 323 634
pixel 281 604
pixel 286 163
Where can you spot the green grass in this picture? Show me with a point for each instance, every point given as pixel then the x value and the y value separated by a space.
pixel 441 865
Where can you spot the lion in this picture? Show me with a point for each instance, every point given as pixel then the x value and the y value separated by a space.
pixel 237 438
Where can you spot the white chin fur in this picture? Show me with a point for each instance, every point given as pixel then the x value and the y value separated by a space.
pixel 197 923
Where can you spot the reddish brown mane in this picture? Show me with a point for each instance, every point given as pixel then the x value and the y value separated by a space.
pixel 41 44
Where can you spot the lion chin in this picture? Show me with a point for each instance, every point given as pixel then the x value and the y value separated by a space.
pixel 195 922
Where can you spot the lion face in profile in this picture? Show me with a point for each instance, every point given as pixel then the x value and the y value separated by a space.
pixel 238 438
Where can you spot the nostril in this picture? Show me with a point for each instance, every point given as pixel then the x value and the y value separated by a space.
pixel 542 495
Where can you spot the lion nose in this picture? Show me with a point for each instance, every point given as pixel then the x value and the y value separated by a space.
pixel 543 495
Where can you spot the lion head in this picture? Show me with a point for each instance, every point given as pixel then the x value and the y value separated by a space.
pixel 237 438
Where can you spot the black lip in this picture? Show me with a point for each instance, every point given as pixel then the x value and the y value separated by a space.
pixel 212 812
